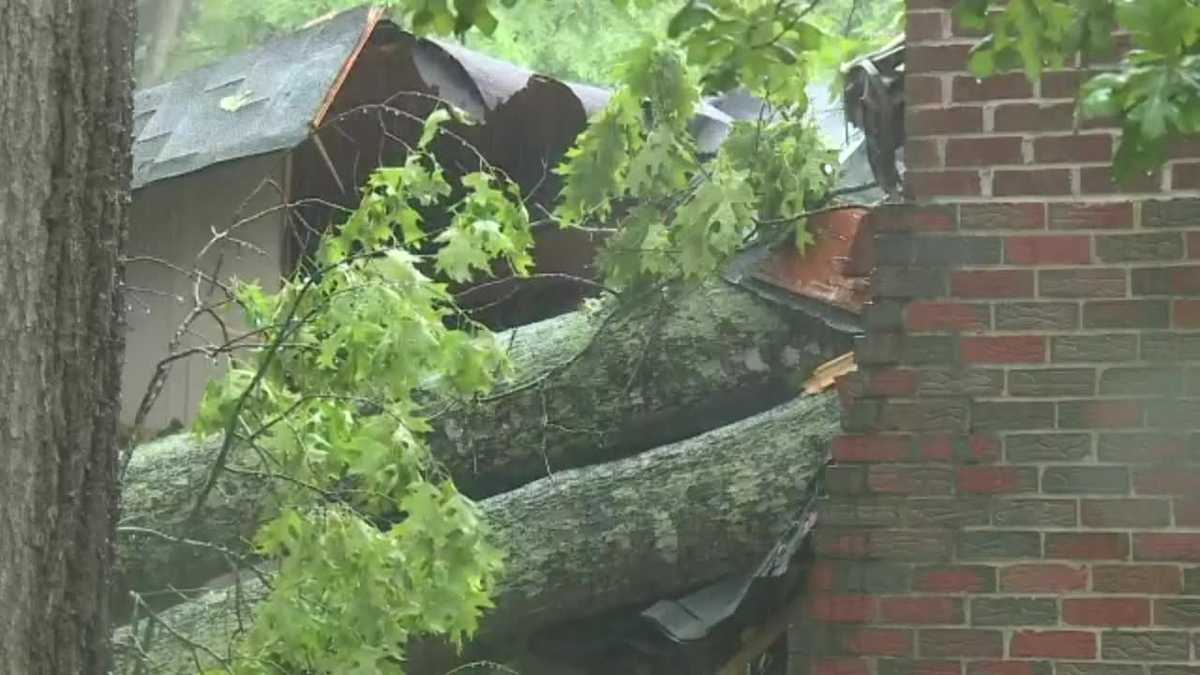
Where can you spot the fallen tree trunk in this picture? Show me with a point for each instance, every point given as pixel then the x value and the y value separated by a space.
pixel 587 389
pixel 598 538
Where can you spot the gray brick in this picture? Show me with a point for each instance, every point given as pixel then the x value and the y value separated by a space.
pixel 1139 314
pixel 1035 513
pixel 1177 612
pixel 1171 347
pixel 1054 382
pixel 1171 213
pixel 1083 283
pixel 953 512
pixel 1139 247
pixel 872 577
pixel 1087 348
pixel 1125 513
pixel 1141 381
pixel 1174 413
pixel 960 382
pixel 1096 668
pixel 1037 316
pixel 1191 581
pixel 909 282
pixel 936 250
pixel 1014 611
pixel 931 350
pixel 994 545
pixel 1174 669
pixel 1025 667
pixel 883 315
pixel 859 513
pixel 911 545
pixel 1144 646
pixel 943 414
pixel 1004 415
pixel 1047 447
pixel 1085 480
pixel 1142 448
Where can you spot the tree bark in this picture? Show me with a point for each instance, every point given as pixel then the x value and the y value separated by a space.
pixel 656 376
pixel 585 541
pixel 65 133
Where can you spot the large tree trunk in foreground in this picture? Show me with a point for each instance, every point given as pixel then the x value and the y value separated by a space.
pixel 65 118
pixel 616 535
pixel 661 374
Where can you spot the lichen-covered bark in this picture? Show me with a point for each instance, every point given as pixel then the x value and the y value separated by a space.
pixel 65 120
pixel 615 535
pixel 667 371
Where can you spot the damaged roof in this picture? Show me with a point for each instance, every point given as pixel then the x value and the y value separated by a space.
pixel 271 97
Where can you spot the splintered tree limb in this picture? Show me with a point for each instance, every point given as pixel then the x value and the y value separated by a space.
pixel 588 388
pixel 593 539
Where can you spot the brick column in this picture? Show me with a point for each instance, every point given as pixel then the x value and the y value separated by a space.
pixel 1017 490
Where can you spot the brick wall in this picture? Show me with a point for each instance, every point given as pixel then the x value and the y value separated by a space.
pixel 1017 491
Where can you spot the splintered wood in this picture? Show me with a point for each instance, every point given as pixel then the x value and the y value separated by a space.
pixel 826 374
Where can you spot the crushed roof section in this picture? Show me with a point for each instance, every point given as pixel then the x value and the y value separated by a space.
pixel 272 95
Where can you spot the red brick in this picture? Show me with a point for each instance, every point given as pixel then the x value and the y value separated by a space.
pixel 1060 644
pixel 942 183
pixel 996 87
pixel 1087 545
pixel 937 316
pixel 921 610
pixel 872 448
pixel 1043 578
pixel 1035 182
pixel 1106 611
pixel 936 58
pixel 922 90
pixel 992 284
pixel 1098 180
pixel 940 121
pixel 1063 83
pixel 1174 480
pixel 1003 349
pixel 921 26
pixel 1185 176
pixel 1149 579
pixel 1048 250
pixel 993 480
pixel 1035 117
pixel 878 642
pixel 1186 314
pixel 955 579
pixel 922 667
pixel 841 608
pixel 1193 244
pixel 821 576
pixel 840 666
pixel 1164 546
pixel 1187 512
pixel 842 544
pixel 1091 216
pixel 922 153
pixel 1073 148
pixel 988 151
pixel 897 382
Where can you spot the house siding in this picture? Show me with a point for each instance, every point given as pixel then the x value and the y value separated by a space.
pixel 172 221
pixel 1016 491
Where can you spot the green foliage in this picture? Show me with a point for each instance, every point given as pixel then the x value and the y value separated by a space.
pixel 1154 94
pixel 331 402
pixel 376 546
